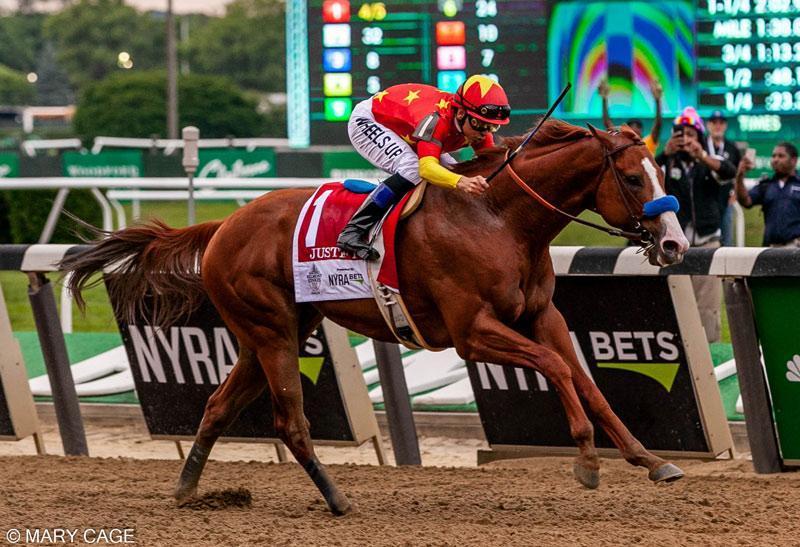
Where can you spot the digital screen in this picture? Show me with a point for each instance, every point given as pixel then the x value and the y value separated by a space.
pixel 631 44
pixel 739 56
pixel 437 42
pixel 749 59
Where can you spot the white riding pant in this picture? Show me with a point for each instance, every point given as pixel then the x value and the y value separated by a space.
pixel 382 147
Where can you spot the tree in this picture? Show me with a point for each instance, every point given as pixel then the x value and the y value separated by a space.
pixel 14 87
pixel 134 105
pixel 247 45
pixel 52 85
pixel 90 34
pixel 21 40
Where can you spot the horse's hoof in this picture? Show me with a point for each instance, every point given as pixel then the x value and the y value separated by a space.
pixel 340 505
pixel 588 477
pixel 184 494
pixel 665 473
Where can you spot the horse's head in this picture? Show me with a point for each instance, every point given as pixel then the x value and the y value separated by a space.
pixel 631 196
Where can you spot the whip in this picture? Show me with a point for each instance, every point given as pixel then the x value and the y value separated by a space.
pixel 532 133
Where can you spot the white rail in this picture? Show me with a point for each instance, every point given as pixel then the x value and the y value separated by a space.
pixel 165 183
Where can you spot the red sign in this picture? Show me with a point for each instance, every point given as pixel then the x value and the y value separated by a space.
pixel 450 33
pixel 336 11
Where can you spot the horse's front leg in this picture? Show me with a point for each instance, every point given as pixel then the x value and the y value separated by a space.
pixel 551 330
pixel 489 340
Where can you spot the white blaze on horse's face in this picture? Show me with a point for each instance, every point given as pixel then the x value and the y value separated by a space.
pixel 671 241
pixel 652 174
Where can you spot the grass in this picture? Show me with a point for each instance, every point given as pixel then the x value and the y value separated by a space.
pixel 99 317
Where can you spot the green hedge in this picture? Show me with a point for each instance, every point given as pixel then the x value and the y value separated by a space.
pixel 5 227
pixel 14 88
pixel 23 214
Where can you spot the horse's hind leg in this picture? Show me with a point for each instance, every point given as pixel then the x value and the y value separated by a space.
pixel 551 330
pixel 245 382
pixel 278 357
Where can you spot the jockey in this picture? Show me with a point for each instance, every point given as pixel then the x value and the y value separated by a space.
pixel 407 130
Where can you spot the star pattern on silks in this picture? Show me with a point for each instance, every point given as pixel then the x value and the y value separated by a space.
pixel 380 95
pixel 408 139
pixel 411 97
pixel 442 104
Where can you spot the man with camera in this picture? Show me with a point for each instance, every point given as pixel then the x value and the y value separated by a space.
pixel 694 177
pixel 778 195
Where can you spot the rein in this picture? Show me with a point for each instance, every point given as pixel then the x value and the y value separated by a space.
pixel 640 235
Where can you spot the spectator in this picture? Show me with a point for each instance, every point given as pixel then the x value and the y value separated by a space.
pixel 693 176
pixel 651 140
pixel 721 148
pixel 778 195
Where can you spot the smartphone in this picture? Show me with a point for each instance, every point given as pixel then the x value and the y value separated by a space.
pixel 679 133
pixel 750 154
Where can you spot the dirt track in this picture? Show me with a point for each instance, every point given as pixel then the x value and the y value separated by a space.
pixel 527 502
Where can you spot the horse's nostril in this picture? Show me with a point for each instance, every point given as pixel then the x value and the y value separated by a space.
pixel 670 246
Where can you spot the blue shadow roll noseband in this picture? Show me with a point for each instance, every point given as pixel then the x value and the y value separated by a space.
pixel 664 204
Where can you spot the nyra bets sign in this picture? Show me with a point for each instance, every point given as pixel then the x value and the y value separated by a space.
pixel 627 338
pixel 176 370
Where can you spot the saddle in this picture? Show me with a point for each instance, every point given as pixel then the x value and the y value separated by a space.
pixel 415 200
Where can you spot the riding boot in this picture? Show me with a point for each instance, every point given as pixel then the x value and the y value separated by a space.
pixel 353 238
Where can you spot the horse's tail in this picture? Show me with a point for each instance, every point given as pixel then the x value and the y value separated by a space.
pixel 151 261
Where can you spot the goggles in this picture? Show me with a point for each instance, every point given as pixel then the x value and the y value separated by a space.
pixel 494 111
pixel 482 126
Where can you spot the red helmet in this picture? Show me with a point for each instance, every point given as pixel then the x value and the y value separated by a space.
pixel 484 99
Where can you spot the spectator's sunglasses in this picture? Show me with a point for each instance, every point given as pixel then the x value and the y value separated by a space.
pixel 481 126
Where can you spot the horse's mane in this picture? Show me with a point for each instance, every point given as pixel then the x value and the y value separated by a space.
pixel 552 132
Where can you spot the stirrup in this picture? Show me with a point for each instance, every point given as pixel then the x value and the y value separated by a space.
pixel 359 249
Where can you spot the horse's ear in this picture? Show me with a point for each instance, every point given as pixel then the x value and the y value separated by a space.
pixel 601 136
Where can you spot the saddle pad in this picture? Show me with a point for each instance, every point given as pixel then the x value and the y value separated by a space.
pixel 321 270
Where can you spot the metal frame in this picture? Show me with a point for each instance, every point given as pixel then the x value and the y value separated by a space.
pixel 54 349
pixel 14 383
pixel 753 382
pixel 695 345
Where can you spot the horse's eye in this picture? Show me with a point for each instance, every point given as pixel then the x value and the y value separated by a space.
pixel 634 180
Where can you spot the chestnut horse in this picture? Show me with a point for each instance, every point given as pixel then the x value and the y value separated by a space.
pixel 475 272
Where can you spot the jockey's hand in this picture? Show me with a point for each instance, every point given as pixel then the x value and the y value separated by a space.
pixel 472 185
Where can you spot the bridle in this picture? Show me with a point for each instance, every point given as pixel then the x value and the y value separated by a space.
pixel 640 235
